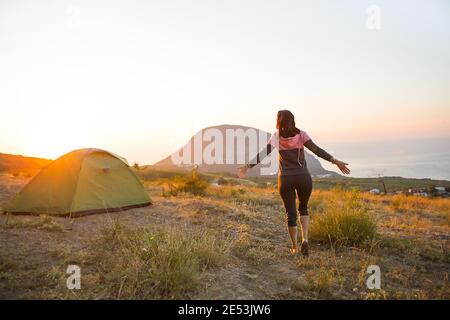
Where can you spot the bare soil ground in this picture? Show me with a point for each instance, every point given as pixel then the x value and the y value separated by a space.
pixel 411 250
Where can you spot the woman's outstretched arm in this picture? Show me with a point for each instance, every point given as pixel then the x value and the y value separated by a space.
pixel 259 157
pixel 318 151
pixel 325 155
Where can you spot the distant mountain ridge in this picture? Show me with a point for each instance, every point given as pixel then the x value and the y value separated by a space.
pixel 314 165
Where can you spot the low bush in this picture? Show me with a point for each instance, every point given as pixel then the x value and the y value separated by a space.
pixel 345 220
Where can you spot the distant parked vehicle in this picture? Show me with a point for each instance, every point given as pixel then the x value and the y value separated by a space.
pixel 441 192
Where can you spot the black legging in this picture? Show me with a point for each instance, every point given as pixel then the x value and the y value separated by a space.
pixel 287 186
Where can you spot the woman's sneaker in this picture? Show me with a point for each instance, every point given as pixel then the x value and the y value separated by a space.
pixel 305 248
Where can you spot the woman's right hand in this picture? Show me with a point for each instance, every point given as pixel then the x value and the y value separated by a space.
pixel 342 166
pixel 242 171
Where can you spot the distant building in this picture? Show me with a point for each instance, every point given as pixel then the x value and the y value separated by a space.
pixel 439 190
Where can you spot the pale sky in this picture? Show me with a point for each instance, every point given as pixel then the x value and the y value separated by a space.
pixel 139 77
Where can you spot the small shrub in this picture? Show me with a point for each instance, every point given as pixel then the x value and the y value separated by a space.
pixel 169 190
pixel 345 220
pixel 194 185
pixel 222 181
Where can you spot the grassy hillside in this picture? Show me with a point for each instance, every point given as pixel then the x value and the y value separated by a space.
pixel 229 242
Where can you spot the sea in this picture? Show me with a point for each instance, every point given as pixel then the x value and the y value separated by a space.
pixel 408 158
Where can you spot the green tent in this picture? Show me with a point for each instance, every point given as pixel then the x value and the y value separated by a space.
pixel 81 182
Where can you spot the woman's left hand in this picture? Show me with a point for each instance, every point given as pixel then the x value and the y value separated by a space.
pixel 342 166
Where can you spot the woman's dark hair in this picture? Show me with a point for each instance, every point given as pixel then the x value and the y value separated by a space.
pixel 286 124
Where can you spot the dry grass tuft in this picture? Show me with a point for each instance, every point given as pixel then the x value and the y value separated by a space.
pixel 42 222
pixel 185 185
pixel 345 220
pixel 155 265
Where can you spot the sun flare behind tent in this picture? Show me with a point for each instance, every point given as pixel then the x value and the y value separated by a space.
pixel 53 136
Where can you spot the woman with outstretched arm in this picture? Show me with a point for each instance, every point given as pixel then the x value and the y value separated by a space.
pixel 294 179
